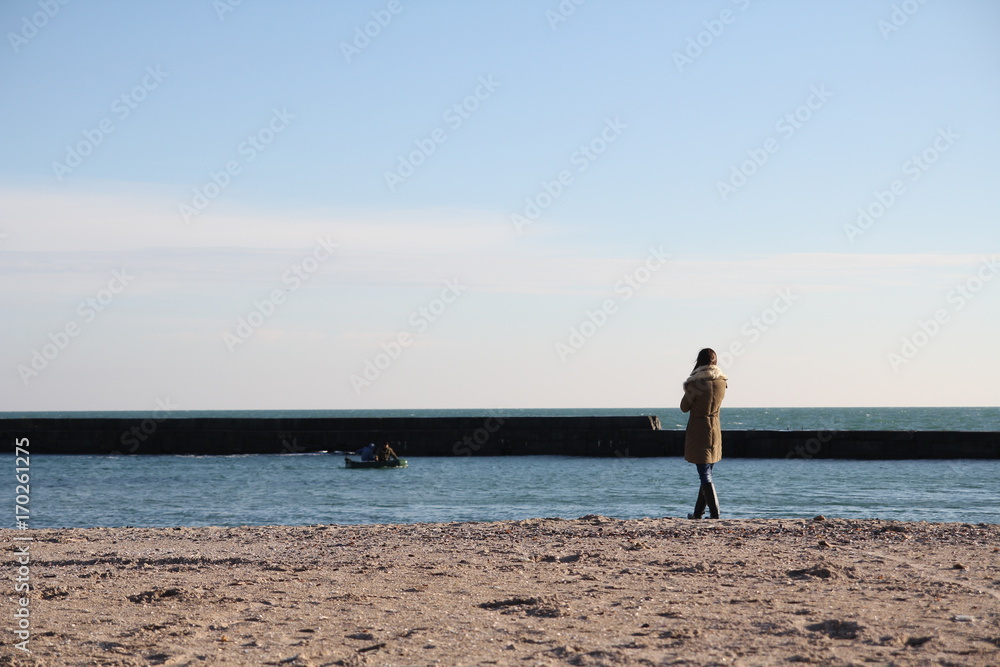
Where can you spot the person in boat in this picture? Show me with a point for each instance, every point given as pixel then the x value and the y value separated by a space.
pixel 367 453
pixel 385 453
pixel 703 393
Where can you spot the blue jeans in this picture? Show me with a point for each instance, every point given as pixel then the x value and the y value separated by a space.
pixel 705 472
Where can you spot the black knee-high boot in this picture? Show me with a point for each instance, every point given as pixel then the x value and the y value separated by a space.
pixel 699 505
pixel 711 499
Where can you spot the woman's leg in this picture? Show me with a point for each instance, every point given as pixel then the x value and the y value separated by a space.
pixel 704 471
pixel 708 489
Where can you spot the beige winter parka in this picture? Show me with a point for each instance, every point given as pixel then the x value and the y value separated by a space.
pixel 703 394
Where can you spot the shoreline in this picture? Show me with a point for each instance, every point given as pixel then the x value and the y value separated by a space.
pixel 586 591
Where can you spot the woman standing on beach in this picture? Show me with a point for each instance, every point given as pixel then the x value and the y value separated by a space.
pixel 703 393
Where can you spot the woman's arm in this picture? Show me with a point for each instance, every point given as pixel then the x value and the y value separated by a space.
pixel 686 401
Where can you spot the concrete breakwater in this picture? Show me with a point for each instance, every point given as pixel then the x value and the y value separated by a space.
pixel 633 436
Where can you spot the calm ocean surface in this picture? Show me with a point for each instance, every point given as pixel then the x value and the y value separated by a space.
pixel 794 419
pixel 302 489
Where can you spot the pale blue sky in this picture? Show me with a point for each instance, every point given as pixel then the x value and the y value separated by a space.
pixel 869 94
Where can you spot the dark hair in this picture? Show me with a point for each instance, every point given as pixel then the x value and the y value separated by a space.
pixel 706 357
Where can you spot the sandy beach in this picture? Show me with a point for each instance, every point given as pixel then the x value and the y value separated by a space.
pixel 588 591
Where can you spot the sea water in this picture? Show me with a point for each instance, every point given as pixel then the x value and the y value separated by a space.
pixel 303 489
pixel 753 419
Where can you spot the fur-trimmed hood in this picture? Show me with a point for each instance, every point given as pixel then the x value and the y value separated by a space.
pixel 709 372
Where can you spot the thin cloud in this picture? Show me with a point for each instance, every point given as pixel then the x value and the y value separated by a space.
pixel 56 235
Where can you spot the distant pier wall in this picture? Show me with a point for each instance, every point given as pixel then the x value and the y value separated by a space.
pixel 623 437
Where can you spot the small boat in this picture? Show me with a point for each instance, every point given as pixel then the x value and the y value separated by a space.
pixel 395 463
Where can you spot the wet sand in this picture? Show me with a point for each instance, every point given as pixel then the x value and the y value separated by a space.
pixel 589 591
